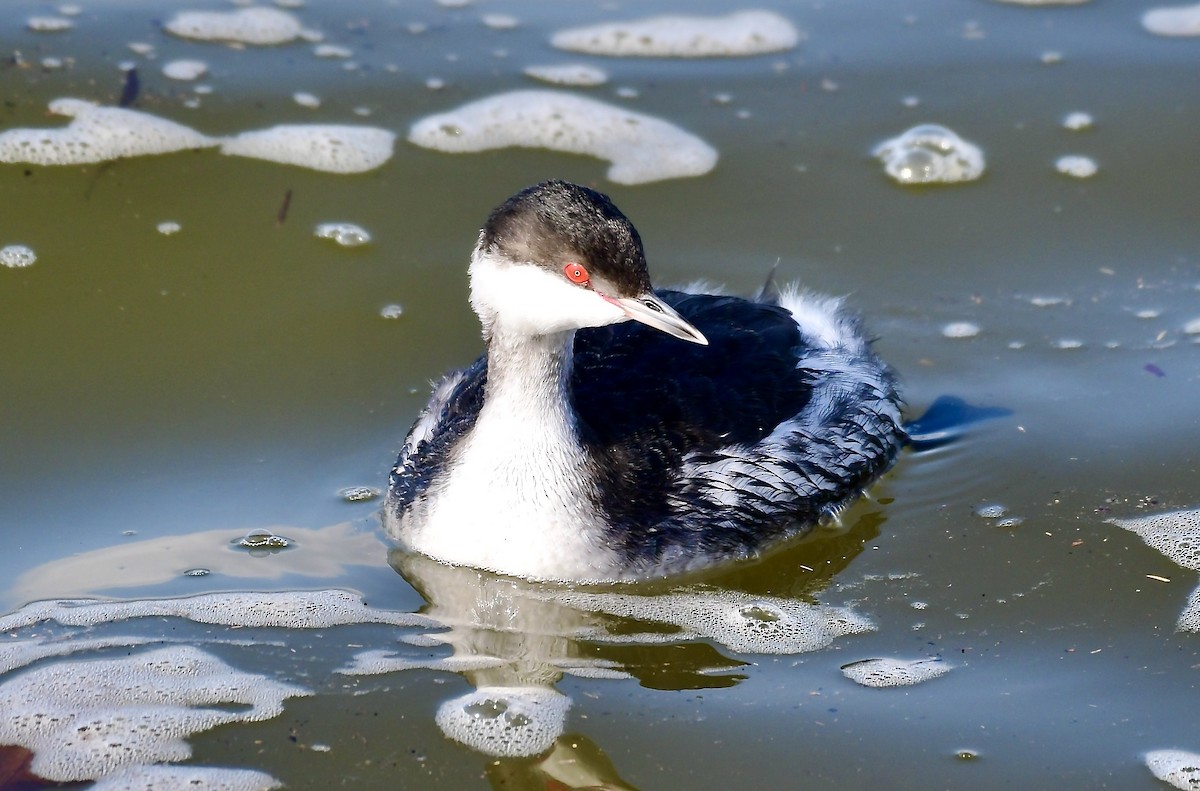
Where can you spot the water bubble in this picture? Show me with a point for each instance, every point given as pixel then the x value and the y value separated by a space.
pixel 1051 57
pixel 51 63
pixel 960 329
pixel 262 539
pixel 488 709
pixel 48 24
pixel 627 92
pixel 1076 166
pixel 990 511
pixel 1010 522
pixel 499 21
pixel 306 99
pixel 392 311
pixel 759 613
pixel 1192 327
pixel 1067 343
pixel 1077 121
pixel 332 51
pixel 1048 302
pixel 358 494
pixel 435 83
pixel 344 233
pixel 17 256
pixel 570 74
pixel 197 572
pixel 930 154
pixel 168 228
pixel 185 69
pixel 966 755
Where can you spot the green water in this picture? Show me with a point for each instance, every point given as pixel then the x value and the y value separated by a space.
pixel 164 394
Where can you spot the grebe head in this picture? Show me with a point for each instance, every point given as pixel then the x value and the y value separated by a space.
pixel 556 257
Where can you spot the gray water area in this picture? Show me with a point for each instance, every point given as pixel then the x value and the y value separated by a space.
pixel 167 394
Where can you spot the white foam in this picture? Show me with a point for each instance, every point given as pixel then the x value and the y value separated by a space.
pixel 1076 166
pixel 143 777
pixel 168 227
pixel 507 722
pixel 392 311
pixel 185 69
pixel 499 21
pixel 17 256
pixel 1077 122
pixel 568 74
pixel 1175 534
pixel 98 134
pixel 930 154
pixel 1173 20
pixel 306 99
pixel 254 25
pixel 288 609
pixel 1189 618
pixel 641 148
pixel 960 329
pixel 377 662
pixel 344 233
pixel 741 33
pixel 48 24
pixel 1192 327
pixel 740 622
pixel 1177 767
pixel 329 148
pixel 887 672
pixel 332 51
pixel 86 719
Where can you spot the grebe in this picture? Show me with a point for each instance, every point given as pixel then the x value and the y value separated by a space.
pixel 585 447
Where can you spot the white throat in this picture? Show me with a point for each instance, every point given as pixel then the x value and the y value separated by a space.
pixel 518 497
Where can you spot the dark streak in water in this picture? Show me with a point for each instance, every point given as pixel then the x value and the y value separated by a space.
pixel 129 92
pixel 281 217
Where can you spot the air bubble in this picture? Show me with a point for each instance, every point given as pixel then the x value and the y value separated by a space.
pixel 306 99
pixel 344 233
pixel 569 74
pixel 960 329
pixel 17 256
pixel 1010 521
pixel 930 154
pixel 48 24
pixel 990 511
pixel 1077 122
pixel 185 69
pixel 1076 166
pixel 168 228
pixel 392 311
pixel 197 572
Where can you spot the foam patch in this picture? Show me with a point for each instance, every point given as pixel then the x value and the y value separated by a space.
pixel 256 25
pixel 101 134
pixel 507 722
pixel 193 778
pixel 1173 20
pixel 1177 767
pixel 87 719
pixel 741 33
pixel 740 622
pixel 328 147
pixel 376 662
pixel 641 148
pixel 1176 534
pixel 568 74
pixel 886 672
pixel 98 134
pixel 288 609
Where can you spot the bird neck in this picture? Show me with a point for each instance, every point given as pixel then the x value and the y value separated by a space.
pixel 528 383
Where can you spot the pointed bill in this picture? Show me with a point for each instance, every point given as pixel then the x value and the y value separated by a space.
pixel 653 312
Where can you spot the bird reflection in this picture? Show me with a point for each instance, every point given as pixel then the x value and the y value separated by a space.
pixel 514 641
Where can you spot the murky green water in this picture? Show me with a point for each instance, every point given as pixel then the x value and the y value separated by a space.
pixel 164 394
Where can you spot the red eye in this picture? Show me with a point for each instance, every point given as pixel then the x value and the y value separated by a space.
pixel 576 274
